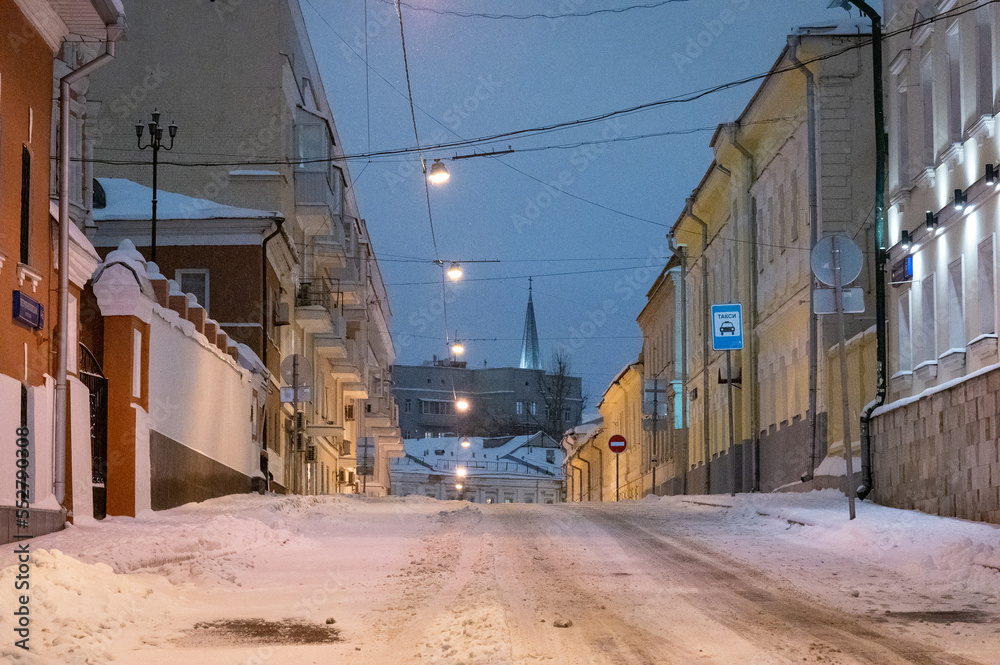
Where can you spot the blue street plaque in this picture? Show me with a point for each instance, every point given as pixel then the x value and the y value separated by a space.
pixel 28 311
pixel 727 327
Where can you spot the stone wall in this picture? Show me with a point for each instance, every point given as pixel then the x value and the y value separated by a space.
pixel 939 453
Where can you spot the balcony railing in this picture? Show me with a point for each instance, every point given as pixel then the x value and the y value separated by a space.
pixel 317 292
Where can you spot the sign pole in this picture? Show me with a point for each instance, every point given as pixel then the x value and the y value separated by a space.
pixel 617 476
pixel 848 455
pixel 732 435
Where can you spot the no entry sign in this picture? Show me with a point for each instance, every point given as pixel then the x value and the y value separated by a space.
pixel 617 443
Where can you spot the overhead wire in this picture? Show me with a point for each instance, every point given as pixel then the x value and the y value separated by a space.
pixel 524 17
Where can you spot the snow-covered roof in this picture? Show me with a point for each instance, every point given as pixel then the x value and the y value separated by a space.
pixel 127 200
pixel 519 455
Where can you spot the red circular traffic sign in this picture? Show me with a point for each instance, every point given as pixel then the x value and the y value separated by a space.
pixel 617 443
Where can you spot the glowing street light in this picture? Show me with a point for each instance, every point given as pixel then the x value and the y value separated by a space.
pixel 466 443
pixel 457 348
pixel 462 405
pixel 458 486
pixel 455 272
pixel 438 173
pixel 461 472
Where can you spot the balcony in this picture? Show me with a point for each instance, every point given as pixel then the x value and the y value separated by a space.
pixel 332 347
pixel 315 306
pixel 315 203
pixel 329 251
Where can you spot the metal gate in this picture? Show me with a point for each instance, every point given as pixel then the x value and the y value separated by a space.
pixel 92 376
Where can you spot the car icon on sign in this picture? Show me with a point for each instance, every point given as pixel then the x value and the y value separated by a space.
pixel 727 328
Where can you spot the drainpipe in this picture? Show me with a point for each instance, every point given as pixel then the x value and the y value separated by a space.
pixel 62 417
pixel 751 167
pixel 751 342
pixel 705 326
pixel 279 221
pixel 793 43
pixel 680 251
pixel 881 148
pixel 587 462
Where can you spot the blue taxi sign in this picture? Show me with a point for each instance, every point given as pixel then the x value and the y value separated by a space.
pixel 727 327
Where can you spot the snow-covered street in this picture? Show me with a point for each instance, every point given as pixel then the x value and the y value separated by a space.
pixel 282 580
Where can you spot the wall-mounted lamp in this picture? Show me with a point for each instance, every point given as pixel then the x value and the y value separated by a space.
pixel 932 222
pixel 904 240
pixel 960 200
pixel 991 175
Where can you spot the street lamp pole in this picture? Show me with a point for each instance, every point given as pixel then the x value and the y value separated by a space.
pixel 156 143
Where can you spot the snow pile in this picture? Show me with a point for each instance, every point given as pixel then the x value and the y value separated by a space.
pixel 79 610
pixel 197 553
pixel 938 550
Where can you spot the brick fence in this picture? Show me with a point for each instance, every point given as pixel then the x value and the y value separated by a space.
pixel 940 454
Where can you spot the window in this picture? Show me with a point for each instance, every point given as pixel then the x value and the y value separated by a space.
pixel 927 100
pixel 902 136
pixel 905 341
pixel 781 217
pixel 25 202
pixel 984 83
pixel 956 309
pixel 519 408
pixel 953 53
pixel 770 229
pixel 312 146
pixel 793 219
pixel 928 346
pixel 550 456
pixel 986 289
pixel 407 405
pixel 758 219
pixel 195 282
pixel 533 405
pixel 437 407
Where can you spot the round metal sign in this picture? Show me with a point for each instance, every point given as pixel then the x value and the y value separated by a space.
pixel 821 259
pixel 296 370
pixel 617 443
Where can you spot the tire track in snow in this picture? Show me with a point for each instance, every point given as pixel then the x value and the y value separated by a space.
pixel 533 548
pixel 746 601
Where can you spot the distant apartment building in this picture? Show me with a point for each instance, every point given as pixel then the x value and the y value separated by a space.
pixel 501 400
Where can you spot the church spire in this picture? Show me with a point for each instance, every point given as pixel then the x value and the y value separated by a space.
pixel 530 357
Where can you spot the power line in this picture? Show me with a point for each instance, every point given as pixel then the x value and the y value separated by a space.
pixel 525 17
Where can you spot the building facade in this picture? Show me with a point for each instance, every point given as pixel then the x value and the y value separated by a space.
pixel 501 400
pixel 508 469
pixel 797 165
pixel 44 43
pixel 323 297
pixel 936 440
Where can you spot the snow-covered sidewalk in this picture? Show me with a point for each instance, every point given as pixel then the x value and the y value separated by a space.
pixel 252 579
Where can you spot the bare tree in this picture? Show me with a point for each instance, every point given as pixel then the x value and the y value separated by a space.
pixel 556 387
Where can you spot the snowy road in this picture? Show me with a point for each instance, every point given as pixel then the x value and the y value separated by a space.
pixel 255 579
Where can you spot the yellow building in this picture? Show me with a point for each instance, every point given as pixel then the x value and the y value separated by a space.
pixel 797 165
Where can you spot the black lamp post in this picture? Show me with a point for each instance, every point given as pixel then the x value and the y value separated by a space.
pixel 156 143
